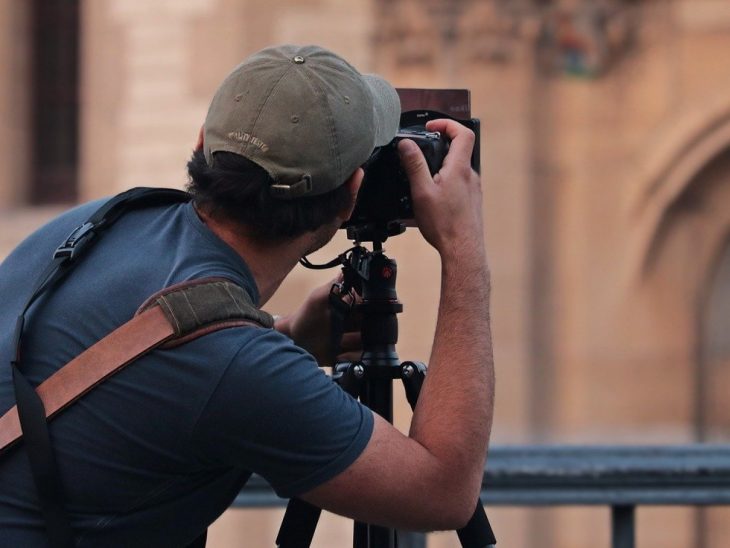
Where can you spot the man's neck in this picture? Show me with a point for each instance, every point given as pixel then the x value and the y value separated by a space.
pixel 269 263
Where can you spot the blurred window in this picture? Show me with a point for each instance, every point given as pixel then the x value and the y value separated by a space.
pixel 55 103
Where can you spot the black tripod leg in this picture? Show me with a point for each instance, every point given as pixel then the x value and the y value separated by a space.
pixel 360 535
pixel 298 526
pixel 477 533
pixel 351 378
pixel 301 518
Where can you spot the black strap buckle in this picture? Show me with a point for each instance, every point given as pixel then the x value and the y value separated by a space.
pixel 75 241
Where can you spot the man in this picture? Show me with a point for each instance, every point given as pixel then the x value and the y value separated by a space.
pixel 156 453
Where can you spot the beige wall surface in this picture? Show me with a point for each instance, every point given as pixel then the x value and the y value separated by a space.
pixel 14 102
pixel 606 193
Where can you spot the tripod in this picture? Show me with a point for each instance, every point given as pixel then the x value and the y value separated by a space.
pixel 373 275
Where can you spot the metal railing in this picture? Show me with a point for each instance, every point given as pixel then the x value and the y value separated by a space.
pixel 621 477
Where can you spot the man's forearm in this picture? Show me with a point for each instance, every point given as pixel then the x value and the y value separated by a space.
pixel 454 414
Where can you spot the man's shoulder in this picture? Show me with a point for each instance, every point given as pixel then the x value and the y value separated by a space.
pixel 258 358
pixel 254 344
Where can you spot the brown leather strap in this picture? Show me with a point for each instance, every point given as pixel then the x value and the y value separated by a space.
pixel 173 316
pixel 111 354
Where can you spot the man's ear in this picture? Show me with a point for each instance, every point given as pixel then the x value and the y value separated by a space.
pixel 353 185
pixel 199 142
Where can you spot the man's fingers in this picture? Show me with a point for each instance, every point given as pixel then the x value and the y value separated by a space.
pixel 414 164
pixel 462 139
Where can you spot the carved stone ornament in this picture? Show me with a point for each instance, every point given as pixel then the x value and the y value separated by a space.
pixel 579 38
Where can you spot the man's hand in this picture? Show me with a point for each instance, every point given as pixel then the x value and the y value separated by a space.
pixel 310 327
pixel 447 206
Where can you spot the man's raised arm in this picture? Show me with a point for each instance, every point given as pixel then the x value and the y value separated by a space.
pixel 431 479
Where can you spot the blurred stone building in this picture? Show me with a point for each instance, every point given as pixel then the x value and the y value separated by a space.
pixel 605 162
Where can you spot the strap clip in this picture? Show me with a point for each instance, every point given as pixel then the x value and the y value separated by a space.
pixel 75 242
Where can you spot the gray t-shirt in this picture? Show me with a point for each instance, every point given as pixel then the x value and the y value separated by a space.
pixel 156 453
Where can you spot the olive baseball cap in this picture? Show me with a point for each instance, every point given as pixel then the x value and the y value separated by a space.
pixel 304 114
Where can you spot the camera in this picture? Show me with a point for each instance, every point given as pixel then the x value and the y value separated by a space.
pixel 384 203
pixel 385 193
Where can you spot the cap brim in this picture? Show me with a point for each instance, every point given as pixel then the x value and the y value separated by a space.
pixel 386 107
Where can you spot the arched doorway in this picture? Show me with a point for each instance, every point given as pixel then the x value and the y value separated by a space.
pixel 700 218
pixel 713 384
pixel 687 273
pixel 713 410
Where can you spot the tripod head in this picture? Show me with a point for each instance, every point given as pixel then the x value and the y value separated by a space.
pixel 371 275
pixel 375 232
pixel 359 264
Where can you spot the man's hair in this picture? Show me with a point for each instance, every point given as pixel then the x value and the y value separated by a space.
pixel 237 189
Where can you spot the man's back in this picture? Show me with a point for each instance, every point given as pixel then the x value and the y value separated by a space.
pixel 154 454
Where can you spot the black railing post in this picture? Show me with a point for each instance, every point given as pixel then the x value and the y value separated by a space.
pixel 410 539
pixel 622 526
pixel 619 477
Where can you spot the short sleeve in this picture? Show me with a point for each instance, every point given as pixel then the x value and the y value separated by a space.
pixel 277 414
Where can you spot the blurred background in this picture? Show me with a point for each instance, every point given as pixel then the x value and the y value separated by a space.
pixel 606 168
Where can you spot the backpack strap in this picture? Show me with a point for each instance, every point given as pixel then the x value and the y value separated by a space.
pixel 29 406
pixel 198 307
pixel 174 316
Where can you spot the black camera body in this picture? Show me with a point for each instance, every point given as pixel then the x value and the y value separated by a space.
pixel 385 195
